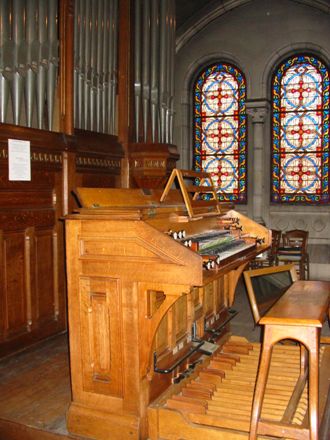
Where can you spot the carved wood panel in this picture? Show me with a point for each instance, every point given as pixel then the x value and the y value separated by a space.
pixel 13 298
pixel 100 325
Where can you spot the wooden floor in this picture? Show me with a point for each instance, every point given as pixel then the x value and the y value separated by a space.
pixel 35 393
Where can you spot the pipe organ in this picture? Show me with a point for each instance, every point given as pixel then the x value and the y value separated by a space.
pixel 95 65
pixel 154 39
pixel 29 62
pixel 144 305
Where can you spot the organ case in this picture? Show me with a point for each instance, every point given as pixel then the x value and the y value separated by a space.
pixel 142 304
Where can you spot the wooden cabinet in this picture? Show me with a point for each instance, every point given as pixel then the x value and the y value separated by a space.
pixel 32 265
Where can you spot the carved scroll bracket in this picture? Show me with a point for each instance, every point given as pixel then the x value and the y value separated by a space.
pixel 150 323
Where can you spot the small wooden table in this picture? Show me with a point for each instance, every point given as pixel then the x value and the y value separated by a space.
pixel 299 315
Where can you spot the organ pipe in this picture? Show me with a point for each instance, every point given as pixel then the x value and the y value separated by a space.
pixel 154 69
pixel 137 68
pixel 52 60
pixel 105 60
pixel 114 41
pixel 19 60
pixel 30 83
pixel 146 57
pixel 28 62
pixel 95 47
pixel 5 59
pixel 42 61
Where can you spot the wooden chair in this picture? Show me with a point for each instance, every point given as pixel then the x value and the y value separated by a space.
pixel 294 250
pixel 268 258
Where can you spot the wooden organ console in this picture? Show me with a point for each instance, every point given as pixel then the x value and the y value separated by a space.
pixel 150 285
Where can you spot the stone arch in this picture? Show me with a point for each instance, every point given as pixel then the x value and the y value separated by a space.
pixel 200 22
pixel 281 54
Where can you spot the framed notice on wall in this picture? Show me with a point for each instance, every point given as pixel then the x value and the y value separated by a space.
pixel 19 160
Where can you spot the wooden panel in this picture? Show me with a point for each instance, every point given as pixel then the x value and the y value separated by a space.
pixel 14 292
pixel 33 291
pixel 209 293
pixel 219 299
pixel 155 299
pixel 181 321
pixel 45 273
pixel 100 325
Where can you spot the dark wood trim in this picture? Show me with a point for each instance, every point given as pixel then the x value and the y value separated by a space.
pixel 66 87
pixel 125 84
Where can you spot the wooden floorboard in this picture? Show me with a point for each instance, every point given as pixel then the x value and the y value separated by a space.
pixel 35 392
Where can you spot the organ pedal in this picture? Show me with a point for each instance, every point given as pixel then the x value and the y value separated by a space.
pixel 218 396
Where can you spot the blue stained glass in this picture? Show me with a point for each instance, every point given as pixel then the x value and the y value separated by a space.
pixel 220 130
pixel 300 131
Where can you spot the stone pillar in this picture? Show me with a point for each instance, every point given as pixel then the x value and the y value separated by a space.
pixel 258 111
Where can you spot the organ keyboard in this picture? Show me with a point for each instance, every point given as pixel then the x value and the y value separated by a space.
pixel 150 285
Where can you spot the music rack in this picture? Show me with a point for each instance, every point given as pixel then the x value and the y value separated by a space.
pixel 199 196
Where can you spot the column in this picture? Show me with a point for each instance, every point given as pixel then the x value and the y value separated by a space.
pixel 258 111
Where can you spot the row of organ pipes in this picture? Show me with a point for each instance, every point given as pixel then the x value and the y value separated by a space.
pixel 29 60
pixel 154 69
pixel 95 64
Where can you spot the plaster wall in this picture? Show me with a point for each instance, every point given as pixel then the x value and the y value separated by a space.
pixel 256 35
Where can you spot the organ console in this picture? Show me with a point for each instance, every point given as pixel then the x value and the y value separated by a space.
pixel 150 289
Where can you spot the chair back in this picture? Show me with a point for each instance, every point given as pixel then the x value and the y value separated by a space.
pixel 296 238
pixel 276 240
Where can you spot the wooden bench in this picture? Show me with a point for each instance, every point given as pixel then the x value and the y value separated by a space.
pixel 299 315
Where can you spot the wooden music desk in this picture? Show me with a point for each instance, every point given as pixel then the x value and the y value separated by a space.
pixel 299 315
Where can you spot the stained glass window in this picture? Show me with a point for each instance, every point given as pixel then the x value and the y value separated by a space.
pixel 220 129
pixel 300 151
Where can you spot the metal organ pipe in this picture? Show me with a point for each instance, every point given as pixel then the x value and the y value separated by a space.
pixel 52 60
pixel 110 68
pixel 99 69
pixel 32 48
pixel 19 59
pixel 105 77
pixel 114 40
pixel 93 59
pixel 137 68
pixel 87 66
pixel 28 62
pixel 5 59
pixel 42 61
pixel 167 97
pixel 77 57
pixel 95 46
pixel 162 70
pixel 154 68
pixel 146 67
pixel 172 70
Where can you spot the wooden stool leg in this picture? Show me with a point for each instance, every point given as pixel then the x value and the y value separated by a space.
pixel 303 360
pixel 261 383
pixel 313 342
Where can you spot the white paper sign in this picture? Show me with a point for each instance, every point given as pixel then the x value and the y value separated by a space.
pixel 19 160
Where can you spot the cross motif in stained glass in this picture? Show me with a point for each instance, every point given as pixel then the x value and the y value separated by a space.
pixel 220 130
pixel 300 151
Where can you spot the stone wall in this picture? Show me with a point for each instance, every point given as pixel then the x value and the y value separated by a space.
pixel 255 35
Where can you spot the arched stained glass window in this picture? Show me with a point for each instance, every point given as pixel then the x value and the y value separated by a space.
pixel 300 151
pixel 220 129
